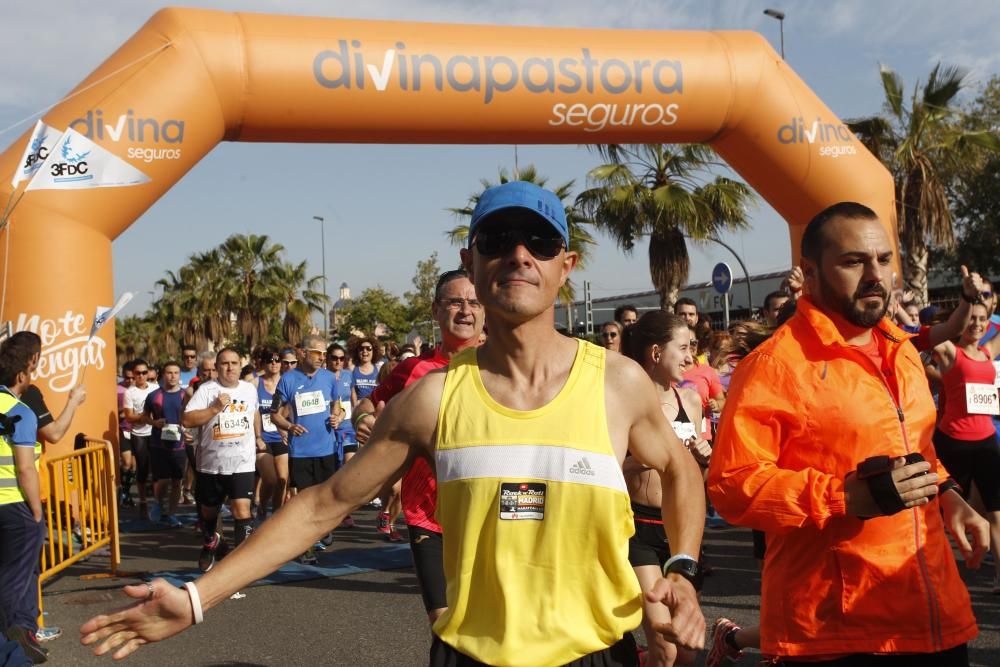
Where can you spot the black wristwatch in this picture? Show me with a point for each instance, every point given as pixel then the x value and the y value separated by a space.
pixel 687 567
pixel 976 300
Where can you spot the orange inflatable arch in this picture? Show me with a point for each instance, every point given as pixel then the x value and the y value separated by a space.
pixel 192 78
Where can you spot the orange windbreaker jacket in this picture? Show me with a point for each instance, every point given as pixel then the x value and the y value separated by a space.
pixel 803 410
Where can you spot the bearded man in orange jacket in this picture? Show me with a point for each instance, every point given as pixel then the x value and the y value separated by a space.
pixel 825 445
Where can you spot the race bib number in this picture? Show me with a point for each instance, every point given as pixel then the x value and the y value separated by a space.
pixel 171 432
pixel 684 430
pixel 265 418
pixel 309 403
pixel 521 500
pixel 346 407
pixel 233 424
pixel 981 399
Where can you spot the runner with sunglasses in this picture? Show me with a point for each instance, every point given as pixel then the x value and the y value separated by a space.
pixel 611 336
pixel 345 439
pixel 528 433
pixel 272 445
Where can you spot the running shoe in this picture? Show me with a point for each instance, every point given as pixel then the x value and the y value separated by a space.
pixel 383 526
pixel 327 539
pixel 226 513
pixel 722 652
pixel 35 651
pixel 376 503
pixel 206 559
pixel 48 634
pixel 155 512
pixel 348 522
pixel 172 521
pixel 394 536
pixel 309 557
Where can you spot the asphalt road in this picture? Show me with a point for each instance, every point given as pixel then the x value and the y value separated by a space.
pixel 370 619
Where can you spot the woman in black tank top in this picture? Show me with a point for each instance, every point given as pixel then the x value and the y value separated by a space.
pixel 659 342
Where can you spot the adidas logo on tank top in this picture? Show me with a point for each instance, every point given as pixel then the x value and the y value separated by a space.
pixel 582 467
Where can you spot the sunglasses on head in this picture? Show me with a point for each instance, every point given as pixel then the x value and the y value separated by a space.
pixel 496 241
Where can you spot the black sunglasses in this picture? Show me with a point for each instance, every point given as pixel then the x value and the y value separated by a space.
pixel 609 334
pixel 290 363
pixel 275 360
pixel 337 357
pixel 501 240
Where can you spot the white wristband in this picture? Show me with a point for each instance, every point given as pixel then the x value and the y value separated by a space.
pixel 195 602
pixel 673 559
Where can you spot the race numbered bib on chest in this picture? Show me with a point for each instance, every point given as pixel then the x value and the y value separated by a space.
pixel 684 430
pixel 346 407
pixel 233 424
pixel 522 500
pixel 309 403
pixel 265 418
pixel 171 432
pixel 981 399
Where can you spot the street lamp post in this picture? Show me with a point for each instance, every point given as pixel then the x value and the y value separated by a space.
pixel 780 16
pixel 322 241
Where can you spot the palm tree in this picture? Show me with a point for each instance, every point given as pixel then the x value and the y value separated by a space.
pixel 253 285
pixel 580 240
pixel 657 190
pixel 917 143
pixel 299 297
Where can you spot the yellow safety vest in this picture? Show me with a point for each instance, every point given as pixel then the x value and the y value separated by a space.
pixel 536 521
pixel 10 492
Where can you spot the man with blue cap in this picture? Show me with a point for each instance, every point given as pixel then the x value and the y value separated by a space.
pixel 527 434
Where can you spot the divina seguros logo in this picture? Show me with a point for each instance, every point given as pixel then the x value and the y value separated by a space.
pixel 348 68
pixel 798 132
pixel 130 127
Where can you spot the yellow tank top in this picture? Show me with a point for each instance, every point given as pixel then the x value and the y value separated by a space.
pixel 536 521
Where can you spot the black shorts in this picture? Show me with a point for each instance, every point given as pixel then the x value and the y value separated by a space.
pixel 276 448
pixel 427 547
pixel 969 461
pixel 649 544
pixel 167 463
pixel 212 490
pixel 351 447
pixel 124 443
pixel 311 470
pixel 622 654
pixel 140 450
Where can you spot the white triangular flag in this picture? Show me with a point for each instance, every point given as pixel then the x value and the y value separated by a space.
pixel 103 314
pixel 39 147
pixel 78 163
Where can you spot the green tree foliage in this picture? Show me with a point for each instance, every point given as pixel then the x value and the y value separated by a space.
pixel 241 293
pixel 418 302
pixel 375 306
pixel 663 192
pixel 580 239
pixel 922 141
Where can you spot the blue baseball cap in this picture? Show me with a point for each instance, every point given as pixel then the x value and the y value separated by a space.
pixel 523 195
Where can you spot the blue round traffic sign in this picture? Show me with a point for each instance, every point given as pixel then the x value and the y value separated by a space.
pixel 722 278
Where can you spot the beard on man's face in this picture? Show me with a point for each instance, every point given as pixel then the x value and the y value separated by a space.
pixel 852 309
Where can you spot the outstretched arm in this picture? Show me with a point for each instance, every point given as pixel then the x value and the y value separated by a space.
pixel 403 432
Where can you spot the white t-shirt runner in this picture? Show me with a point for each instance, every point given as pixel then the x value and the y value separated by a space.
pixel 135 400
pixel 227 443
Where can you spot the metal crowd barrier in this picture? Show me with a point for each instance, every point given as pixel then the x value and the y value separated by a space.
pixel 81 504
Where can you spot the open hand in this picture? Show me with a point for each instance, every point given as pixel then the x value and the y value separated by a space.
pixel 687 624
pixel 149 619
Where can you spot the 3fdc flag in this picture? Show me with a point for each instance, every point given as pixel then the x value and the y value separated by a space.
pixel 103 314
pixel 39 147
pixel 78 163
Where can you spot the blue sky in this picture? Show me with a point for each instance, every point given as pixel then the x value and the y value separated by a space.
pixel 385 205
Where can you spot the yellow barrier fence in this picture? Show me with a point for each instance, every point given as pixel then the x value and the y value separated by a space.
pixel 82 502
